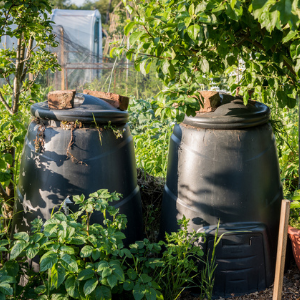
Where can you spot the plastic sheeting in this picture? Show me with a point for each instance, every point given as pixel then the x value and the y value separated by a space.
pixel 79 35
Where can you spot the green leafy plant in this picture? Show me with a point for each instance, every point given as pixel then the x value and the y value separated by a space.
pixel 190 40
pixel 80 260
pixel 294 220
pixel 27 22
pixel 285 126
pixel 151 136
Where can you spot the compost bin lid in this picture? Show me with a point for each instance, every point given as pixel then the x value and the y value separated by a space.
pixel 232 115
pixel 87 109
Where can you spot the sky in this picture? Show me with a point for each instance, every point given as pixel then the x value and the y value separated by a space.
pixel 77 2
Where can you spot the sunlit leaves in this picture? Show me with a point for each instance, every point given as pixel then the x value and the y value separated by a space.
pixel 192 42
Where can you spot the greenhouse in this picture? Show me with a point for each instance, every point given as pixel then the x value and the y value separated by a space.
pixel 79 34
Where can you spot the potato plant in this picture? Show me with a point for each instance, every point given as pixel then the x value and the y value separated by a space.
pixel 79 260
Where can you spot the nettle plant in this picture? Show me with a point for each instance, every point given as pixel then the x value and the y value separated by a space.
pixel 79 260
pixel 190 41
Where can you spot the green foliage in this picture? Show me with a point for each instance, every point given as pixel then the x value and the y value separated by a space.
pixel 285 126
pixel 294 220
pixel 190 40
pixel 79 260
pixel 127 82
pixel 151 135
pixel 26 21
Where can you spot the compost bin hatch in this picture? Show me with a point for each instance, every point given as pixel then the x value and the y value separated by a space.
pixel 88 109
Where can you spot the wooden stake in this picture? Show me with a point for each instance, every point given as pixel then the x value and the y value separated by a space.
pixel 281 249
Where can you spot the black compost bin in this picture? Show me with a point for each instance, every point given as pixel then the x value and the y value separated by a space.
pixel 97 154
pixel 223 166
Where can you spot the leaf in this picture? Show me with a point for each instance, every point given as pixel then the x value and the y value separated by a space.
pixel 106 272
pixel 90 286
pixel 143 67
pixel 7 279
pixel 6 289
pixel 67 249
pixel 204 65
pixel 145 278
pixel 128 285
pixel 117 270
pixel 86 251
pixel 138 292
pixel 151 295
pixel 71 287
pixel 289 36
pixel 192 9
pixel 12 268
pixel 135 37
pixel 193 31
pixel 58 274
pixel 17 249
pixel 59 297
pixel 129 9
pixel 5 176
pixel 69 263
pixel 86 274
pixel 36 237
pixel 127 253
pixel 128 27
pixel 32 251
pixel 40 289
pixel 102 293
pixel 165 67
pixel 96 254
pixel 22 236
pixel 112 280
pixel 48 261
pixel 132 274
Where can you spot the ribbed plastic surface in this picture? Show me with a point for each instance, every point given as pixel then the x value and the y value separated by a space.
pixel 232 175
pixel 49 176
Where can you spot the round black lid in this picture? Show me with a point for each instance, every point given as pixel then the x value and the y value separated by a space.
pixel 87 109
pixel 232 115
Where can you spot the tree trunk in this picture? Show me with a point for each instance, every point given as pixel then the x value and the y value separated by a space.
pixel 107 13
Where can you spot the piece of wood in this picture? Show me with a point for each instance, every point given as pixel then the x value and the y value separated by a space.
pixel 281 249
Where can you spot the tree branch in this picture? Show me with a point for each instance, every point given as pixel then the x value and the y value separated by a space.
pixel 28 55
pixel 7 80
pixel 2 100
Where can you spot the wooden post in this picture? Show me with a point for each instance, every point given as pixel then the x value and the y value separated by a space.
pixel 281 249
pixel 62 59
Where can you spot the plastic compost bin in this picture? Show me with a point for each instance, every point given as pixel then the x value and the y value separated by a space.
pixel 59 160
pixel 223 166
